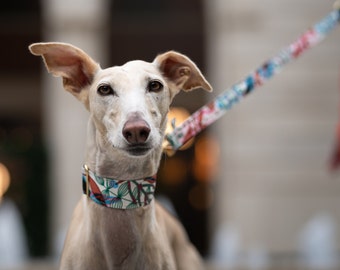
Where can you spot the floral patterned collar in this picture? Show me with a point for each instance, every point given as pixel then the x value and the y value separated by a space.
pixel 118 194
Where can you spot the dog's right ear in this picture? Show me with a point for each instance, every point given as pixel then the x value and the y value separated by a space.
pixel 72 64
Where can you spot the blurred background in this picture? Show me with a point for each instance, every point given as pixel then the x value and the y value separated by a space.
pixel 254 191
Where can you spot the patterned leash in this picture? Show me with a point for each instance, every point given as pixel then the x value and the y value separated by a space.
pixel 211 112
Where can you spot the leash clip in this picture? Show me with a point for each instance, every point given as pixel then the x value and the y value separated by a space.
pixel 86 169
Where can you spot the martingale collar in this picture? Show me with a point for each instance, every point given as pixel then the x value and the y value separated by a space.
pixel 118 194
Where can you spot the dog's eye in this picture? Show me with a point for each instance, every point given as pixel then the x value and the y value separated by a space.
pixel 155 86
pixel 105 90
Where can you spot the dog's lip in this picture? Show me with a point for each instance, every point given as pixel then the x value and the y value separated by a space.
pixel 138 149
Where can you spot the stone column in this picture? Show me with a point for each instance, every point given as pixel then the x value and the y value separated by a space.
pixel 83 24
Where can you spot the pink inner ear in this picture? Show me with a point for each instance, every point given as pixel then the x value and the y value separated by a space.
pixel 76 77
pixel 77 72
pixel 182 71
pixel 170 68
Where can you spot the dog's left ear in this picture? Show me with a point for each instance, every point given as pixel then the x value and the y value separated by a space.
pixel 69 62
pixel 181 71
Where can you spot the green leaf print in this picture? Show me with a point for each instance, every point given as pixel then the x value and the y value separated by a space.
pixel 123 190
pixel 100 181
pixel 132 206
pixel 106 192
pixel 135 193
pixel 118 204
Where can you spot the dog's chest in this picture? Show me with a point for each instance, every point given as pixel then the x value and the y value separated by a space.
pixel 125 242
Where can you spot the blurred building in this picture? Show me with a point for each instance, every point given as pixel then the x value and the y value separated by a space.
pixel 276 144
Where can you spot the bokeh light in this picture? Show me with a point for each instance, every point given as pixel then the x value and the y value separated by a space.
pixel 4 179
pixel 176 116
pixel 206 160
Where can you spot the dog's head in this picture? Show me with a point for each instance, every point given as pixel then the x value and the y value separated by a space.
pixel 128 103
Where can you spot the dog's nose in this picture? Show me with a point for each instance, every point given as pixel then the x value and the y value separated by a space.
pixel 136 131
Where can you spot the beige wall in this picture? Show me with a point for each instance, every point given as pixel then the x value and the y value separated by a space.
pixel 276 143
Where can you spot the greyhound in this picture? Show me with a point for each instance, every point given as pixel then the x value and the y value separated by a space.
pixel 117 224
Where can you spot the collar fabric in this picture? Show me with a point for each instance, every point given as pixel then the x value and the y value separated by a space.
pixel 118 194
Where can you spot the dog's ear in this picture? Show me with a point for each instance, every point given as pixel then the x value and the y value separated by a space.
pixel 181 71
pixel 72 64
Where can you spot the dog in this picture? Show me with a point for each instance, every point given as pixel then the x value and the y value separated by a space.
pixel 117 224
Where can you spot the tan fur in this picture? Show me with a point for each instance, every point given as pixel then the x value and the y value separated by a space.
pixel 104 238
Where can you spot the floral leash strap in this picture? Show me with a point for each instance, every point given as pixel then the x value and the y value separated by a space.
pixel 211 112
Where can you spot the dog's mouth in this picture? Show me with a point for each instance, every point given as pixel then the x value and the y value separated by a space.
pixel 138 149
